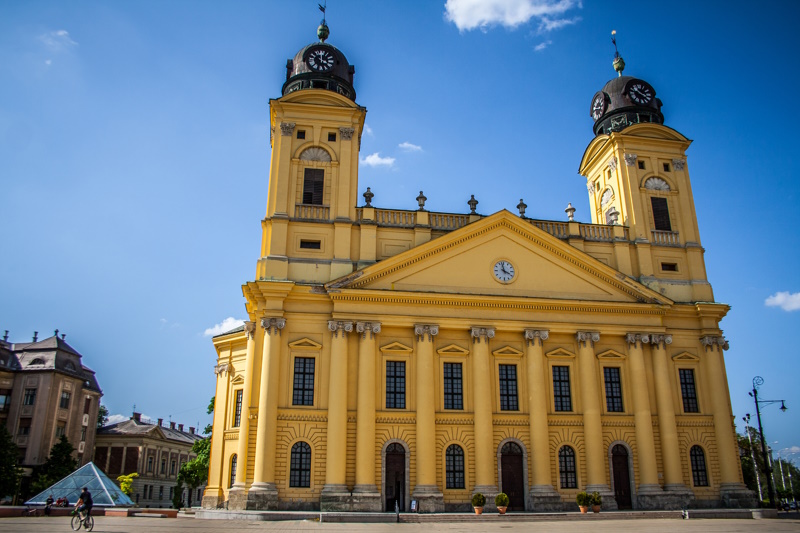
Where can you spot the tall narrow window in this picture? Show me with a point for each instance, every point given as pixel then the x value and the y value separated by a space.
pixel 30 397
pixel 395 384
pixel 561 393
pixel 150 466
pixel 660 213
pixel 313 182
pixel 453 397
pixel 613 390
pixel 65 397
pixel 87 405
pixel 508 388
pixel 566 468
pixel 237 414
pixel 233 471
pixel 454 467
pixel 300 473
pixel 5 399
pixel 303 381
pixel 699 473
pixel 24 426
pixel 688 391
pixel 61 429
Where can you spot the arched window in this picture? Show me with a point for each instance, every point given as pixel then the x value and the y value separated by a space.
pixel 300 473
pixel 566 468
pixel 37 361
pixel 233 471
pixel 454 467
pixel 699 474
pixel 395 448
pixel 511 448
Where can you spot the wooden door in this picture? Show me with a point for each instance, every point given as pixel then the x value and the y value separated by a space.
pixel 513 481
pixel 622 478
pixel 395 484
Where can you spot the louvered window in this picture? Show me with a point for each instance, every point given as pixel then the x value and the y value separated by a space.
pixel 313 183
pixel 660 213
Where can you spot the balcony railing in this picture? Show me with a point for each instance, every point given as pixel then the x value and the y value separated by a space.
pixel 556 229
pixel 448 221
pixel 395 218
pixel 312 212
pixel 594 232
pixel 666 238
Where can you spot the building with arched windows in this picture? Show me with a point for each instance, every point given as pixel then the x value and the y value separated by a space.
pixel 393 355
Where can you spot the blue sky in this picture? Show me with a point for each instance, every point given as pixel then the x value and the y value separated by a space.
pixel 134 156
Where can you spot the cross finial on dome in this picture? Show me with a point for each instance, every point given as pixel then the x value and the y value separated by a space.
pixel 619 63
pixel 322 31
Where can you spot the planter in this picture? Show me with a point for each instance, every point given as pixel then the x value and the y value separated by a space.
pixel 478 510
pixel 583 508
pixel 502 509
pixel 595 508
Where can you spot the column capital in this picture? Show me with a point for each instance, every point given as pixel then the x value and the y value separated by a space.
pixel 660 341
pixel 636 338
pixel 250 329
pixel 584 337
pixel 534 335
pixel 273 325
pixel 227 368
pixel 371 327
pixel 287 128
pixel 480 331
pixel 347 133
pixel 421 330
pixel 710 341
pixel 336 326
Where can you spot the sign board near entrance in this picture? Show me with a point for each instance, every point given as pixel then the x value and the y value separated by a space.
pixel 413 506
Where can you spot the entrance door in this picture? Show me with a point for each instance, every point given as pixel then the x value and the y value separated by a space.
pixel 513 482
pixel 395 488
pixel 622 478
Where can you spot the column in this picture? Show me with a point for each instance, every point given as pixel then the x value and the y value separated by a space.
pixel 482 376
pixel 592 425
pixel 543 496
pixel 426 492
pixel 335 495
pixel 263 493
pixel 649 489
pixel 235 498
pixel 368 497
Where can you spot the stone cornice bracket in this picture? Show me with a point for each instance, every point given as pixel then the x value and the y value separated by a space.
pixel 584 337
pixel 421 330
pixel 678 164
pixel 227 368
pixel 273 325
pixel 636 338
pixel 340 325
pixel 612 163
pixel 534 335
pixel 660 341
pixel 347 133
pixel 287 128
pixel 709 342
pixel 630 159
pixel 250 329
pixel 364 327
pixel 477 332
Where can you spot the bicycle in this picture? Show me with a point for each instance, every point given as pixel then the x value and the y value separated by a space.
pixel 31 511
pixel 78 521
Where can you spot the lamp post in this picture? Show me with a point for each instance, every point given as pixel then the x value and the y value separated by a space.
pixel 757 382
pixel 746 419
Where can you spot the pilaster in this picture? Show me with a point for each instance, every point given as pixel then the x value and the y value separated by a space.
pixel 237 497
pixel 485 481
pixel 365 494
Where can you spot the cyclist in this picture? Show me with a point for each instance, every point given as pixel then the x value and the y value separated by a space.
pixel 85 502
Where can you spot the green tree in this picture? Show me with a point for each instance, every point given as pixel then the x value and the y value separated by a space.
pixel 9 474
pixel 126 483
pixel 59 465
pixel 208 428
pixel 102 416
pixel 195 472
pixel 177 500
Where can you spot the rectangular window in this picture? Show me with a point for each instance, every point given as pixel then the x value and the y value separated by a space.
pixel 688 391
pixel 453 396
pixel 395 384
pixel 561 392
pixel 5 400
pixel 24 426
pixel 669 267
pixel 64 403
pixel 150 465
pixel 83 434
pixel 666 167
pixel 508 388
pixel 613 390
pixel 87 405
pixel 660 213
pixel 172 470
pixel 161 492
pixel 303 381
pixel 641 165
pixel 61 429
pixel 301 134
pixel 171 492
pixel 310 245
pixel 313 182
pixel 331 137
pixel 30 397
pixel 237 414
pixel 163 466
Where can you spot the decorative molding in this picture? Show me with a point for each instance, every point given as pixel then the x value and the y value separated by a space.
pixel 507 351
pixel 656 184
pixel 678 164
pixel 287 128
pixel 340 325
pixel 612 163
pixel 658 340
pixel 421 330
pixel 371 327
pixel 630 159
pixel 347 133
pixel 395 420
pixel 273 325
pixel 511 421
pixel 560 352
pixel 589 187
pixel 250 330
pixel 396 347
pixel 232 435
pixel 238 380
pixel 608 195
pixel 452 349
pixel 710 341
pixel 611 355
pixel 478 331
pixel 534 335
pixel 466 421
pixel 315 153
pixel 303 418
pixel 305 344
pixel 637 338
pixel 584 337
pixel 227 368
pixel 686 356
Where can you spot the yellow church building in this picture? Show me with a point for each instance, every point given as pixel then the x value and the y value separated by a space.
pixel 396 356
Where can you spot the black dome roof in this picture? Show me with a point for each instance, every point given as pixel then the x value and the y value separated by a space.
pixel 336 76
pixel 622 102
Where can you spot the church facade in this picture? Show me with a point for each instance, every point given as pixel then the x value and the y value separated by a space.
pixel 397 356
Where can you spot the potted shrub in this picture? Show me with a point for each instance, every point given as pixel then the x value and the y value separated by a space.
pixel 583 500
pixel 596 501
pixel 501 501
pixel 478 501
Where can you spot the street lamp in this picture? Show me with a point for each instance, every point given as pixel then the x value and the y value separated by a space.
pixel 757 382
pixel 746 419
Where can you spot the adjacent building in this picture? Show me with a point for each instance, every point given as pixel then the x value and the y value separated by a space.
pixel 400 355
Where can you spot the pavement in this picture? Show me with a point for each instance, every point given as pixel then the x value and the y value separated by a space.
pixel 486 523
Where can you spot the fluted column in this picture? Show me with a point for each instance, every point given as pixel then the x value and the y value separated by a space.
pixel 426 492
pixel 544 497
pixel 244 419
pixel 482 376
pixel 365 418
pixel 266 430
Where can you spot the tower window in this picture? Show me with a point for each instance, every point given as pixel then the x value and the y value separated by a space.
pixel 669 267
pixel 313 182
pixel 303 393
pixel 666 167
pixel 660 213
pixel 331 137
pixel 301 134
pixel 310 245
pixel 641 165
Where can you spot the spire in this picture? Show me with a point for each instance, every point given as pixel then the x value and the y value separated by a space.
pixel 619 63
pixel 322 31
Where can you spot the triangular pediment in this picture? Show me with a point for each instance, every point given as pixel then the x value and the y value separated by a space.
pixel 305 344
pixel 396 347
pixel 685 356
pixel 452 349
pixel 465 261
pixel 238 380
pixel 560 352
pixel 507 351
pixel 611 354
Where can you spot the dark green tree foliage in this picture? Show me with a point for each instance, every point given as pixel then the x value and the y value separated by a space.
pixel 102 416
pixel 208 428
pixel 749 469
pixel 9 475
pixel 59 465
pixel 195 472
pixel 177 500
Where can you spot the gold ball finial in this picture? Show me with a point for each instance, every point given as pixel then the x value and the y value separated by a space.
pixel 618 63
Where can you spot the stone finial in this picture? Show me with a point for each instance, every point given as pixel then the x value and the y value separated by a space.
pixel 473 203
pixel 368 196
pixel 570 211
pixel 522 206
pixel 613 216
pixel 421 201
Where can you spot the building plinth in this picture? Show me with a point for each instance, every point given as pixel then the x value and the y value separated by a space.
pixel 429 499
pixel 736 495
pixel 544 498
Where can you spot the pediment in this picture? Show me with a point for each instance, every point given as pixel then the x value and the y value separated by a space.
pixel 238 380
pixel 396 347
pixel 685 356
pixel 463 261
pixel 611 354
pixel 507 351
pixel 305 344
pixel 452 349
pixel 560 352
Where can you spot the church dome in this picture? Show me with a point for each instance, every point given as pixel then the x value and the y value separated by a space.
pixel 320 66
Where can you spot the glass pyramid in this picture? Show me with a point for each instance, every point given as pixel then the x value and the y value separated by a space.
pixel 105 493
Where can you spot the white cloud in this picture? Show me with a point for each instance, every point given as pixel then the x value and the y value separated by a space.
pixel 116 419
pixel 472 14
pixel 375 160
pixel 408 147
pixel 790 450
pixel 548 24
pixel 226 325
pixel 367 130
pixel 48 62
pixel 785 300
pixel 541 46
pixel 57 40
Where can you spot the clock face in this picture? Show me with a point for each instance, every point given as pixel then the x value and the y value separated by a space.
pixel 320 60
pixel 504 271
pixel 640 93
pixel 598 106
